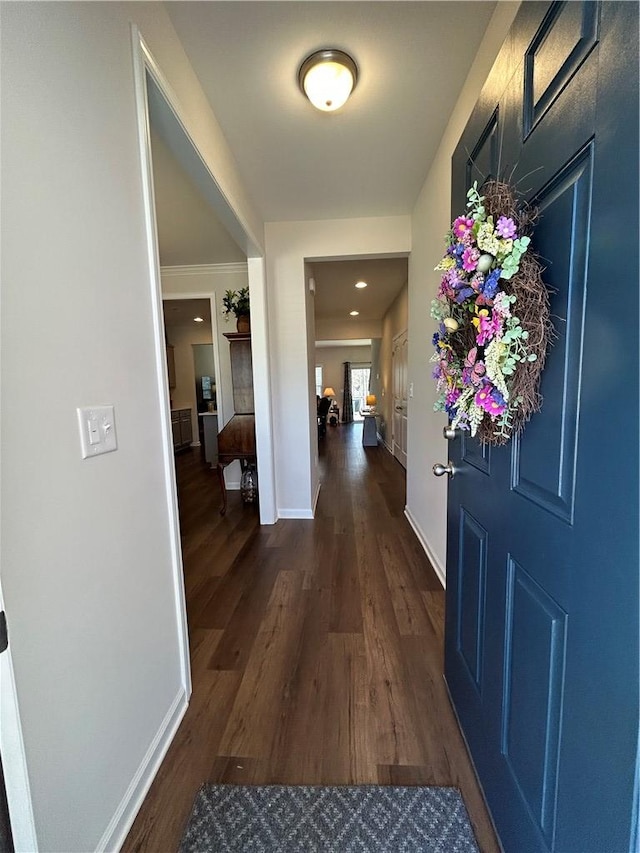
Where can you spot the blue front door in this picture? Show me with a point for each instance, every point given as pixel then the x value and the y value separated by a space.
pixel 542 561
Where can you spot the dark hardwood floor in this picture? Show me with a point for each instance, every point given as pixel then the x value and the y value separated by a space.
pixel 316 646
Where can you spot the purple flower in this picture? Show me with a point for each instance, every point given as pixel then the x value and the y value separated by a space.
pixel 452 278
pixel 473 374
pixel 470 259
pixel 451 401
pixel 506 228
pixel 491 400
pixel 488 328
pixel 463 294
pixel 462 226
pixel 458 252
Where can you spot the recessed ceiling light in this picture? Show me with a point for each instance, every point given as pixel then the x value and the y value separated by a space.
pixel 198 320
pixel 361 284
pixel 354 313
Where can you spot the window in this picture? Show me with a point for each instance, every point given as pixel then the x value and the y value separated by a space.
pixel 360 375
pixel 319 380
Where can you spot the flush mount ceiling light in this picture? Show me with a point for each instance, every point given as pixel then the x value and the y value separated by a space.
pixel 198 320
pixel 354 313
pixel 327 78
pixel 361 284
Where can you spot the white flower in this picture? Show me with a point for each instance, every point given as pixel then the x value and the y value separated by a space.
pixel 501 304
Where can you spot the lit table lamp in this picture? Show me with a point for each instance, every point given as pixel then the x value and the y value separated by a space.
pixel 369 425
pixel 334 411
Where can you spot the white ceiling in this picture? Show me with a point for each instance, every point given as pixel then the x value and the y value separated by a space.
pixel 368 159
pixel 371 157
pixel 181 312
pixel 336 294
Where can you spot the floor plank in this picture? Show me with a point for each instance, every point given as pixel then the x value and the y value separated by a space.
pixel 316 646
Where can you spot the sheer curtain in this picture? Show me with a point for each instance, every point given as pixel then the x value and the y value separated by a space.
pixel 347 402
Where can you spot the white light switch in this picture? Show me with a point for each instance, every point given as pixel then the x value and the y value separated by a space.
pixel 411 389
pixel 93 430
pixel 97 430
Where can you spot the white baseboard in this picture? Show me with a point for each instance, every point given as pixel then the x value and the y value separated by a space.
pixel 295 513
pixel 389 448
pixel 422 539
pixel 120 824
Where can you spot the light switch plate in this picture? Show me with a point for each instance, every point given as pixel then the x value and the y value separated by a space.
pixel 97 426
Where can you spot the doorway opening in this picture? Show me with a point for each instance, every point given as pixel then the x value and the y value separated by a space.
pixel 355 326
pixel 193 369
pixel 164 139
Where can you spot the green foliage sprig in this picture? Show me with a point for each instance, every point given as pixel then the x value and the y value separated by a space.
pixel 236 302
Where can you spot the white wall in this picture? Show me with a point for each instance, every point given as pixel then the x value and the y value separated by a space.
pixel 182 338
pixel 332 360
pixel 427 495
pixel 87 564
pixel 288 244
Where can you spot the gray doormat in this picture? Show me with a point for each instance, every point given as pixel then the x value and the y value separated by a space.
pixel 366 819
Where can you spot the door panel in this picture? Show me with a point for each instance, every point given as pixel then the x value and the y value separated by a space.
pixel 482 163
pixel 544 459
pixel 472 574
pixel 541 653
pixel 566 37
pixel 535 648
pixel 476 454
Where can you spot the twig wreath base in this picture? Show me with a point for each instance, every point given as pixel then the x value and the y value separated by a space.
pixel 494 318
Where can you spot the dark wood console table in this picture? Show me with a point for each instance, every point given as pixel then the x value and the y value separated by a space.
pixel 238 438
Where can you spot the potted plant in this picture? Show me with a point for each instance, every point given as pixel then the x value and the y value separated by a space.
pixel 237 303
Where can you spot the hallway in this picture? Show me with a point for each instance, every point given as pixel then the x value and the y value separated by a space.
pixel 316 646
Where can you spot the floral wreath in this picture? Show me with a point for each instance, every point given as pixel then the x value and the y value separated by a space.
pixel 493 315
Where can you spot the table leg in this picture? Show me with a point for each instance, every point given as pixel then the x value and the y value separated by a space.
pixel 223 488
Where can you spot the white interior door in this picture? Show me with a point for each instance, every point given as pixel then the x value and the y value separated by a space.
pixel 400 392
